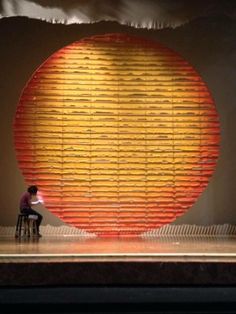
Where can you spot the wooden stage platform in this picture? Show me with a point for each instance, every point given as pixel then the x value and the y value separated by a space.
pixel 107 274
pixel 80 247
pixel 72 260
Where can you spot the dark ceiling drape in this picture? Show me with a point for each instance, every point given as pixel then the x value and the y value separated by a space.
pixel 138 13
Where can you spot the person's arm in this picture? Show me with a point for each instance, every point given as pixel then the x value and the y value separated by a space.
pixel 37 202
pixel 35 199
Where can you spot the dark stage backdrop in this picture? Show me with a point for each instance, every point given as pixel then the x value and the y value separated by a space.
pixel 208 44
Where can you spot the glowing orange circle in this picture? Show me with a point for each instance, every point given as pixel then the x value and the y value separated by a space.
pixel 120 134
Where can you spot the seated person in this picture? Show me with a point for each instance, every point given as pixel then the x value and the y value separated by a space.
pixel 26 202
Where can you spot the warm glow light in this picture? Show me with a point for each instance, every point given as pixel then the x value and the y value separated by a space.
pixel 119 133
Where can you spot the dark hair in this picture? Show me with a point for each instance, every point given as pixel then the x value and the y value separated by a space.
pixel 32 189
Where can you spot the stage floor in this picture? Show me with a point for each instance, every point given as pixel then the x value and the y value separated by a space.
pixel 81 261
pixel 75 247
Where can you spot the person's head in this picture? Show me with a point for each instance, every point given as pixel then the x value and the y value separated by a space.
pixel 32 189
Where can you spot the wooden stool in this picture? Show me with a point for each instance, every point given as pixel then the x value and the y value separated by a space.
pixel 26 225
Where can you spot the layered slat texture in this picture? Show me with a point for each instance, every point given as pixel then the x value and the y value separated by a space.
pixel 120 134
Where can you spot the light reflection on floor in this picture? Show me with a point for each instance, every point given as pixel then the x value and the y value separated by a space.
pixel 72 246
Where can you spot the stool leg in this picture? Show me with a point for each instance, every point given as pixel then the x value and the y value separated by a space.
pixel 34 227
pixel 20 226
pixel 31 227
pixel 24 226
pixel 17 227
pixel 28 226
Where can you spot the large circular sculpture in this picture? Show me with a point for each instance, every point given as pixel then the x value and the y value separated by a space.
pixel 120 134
